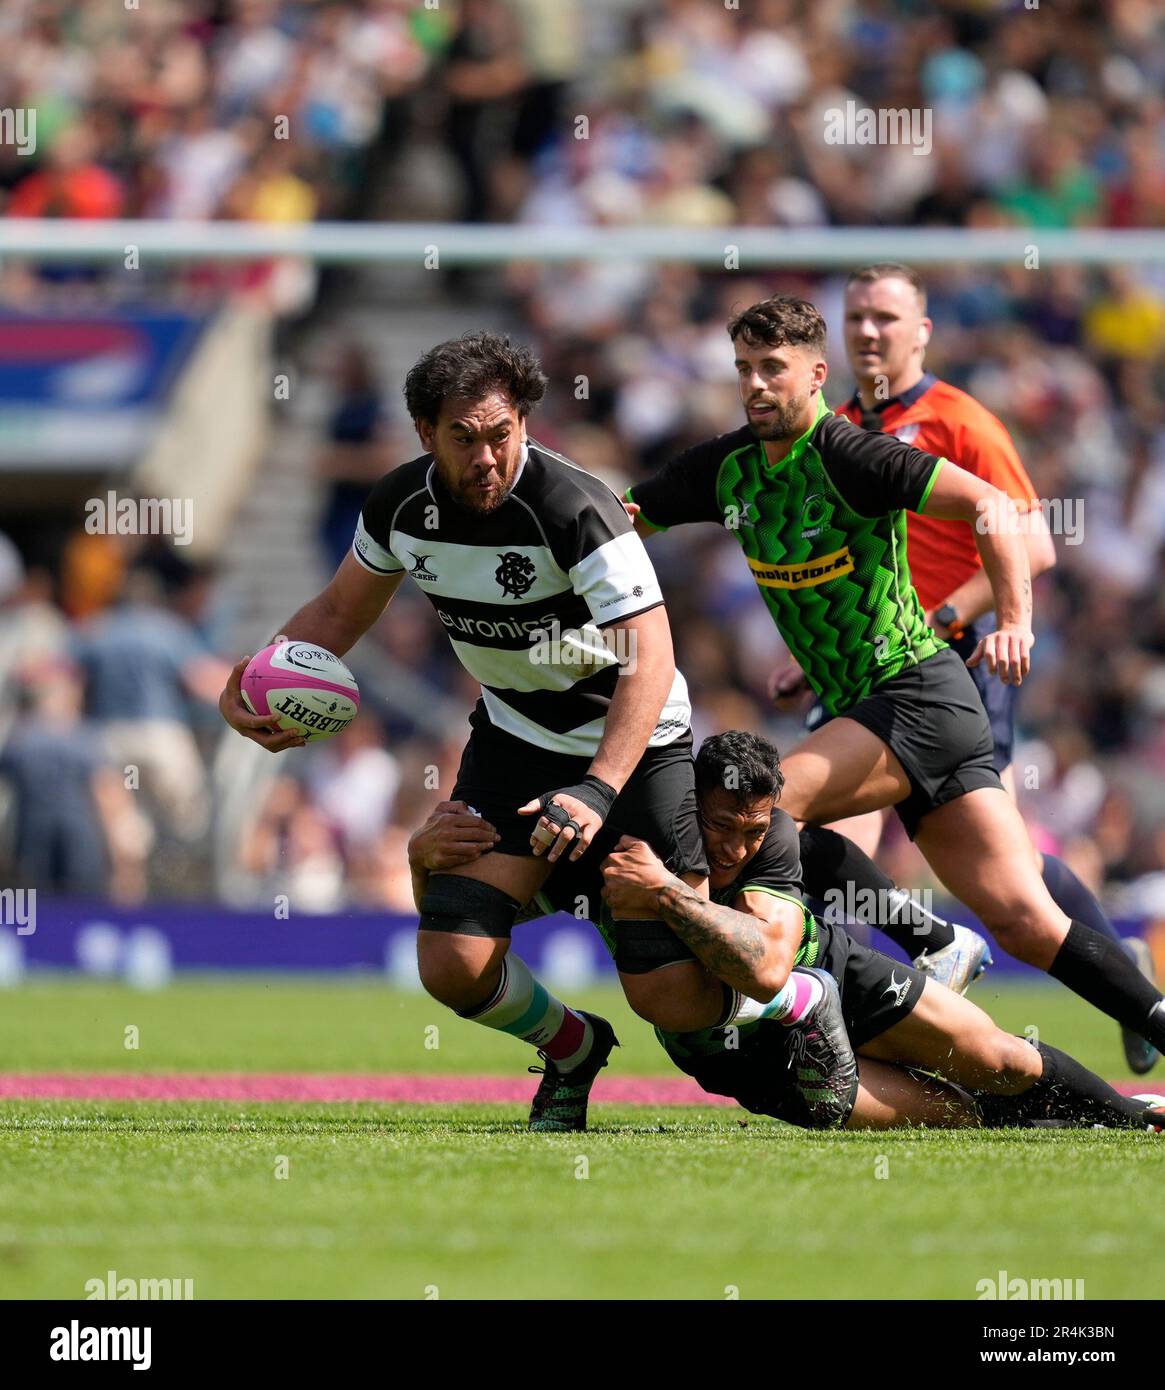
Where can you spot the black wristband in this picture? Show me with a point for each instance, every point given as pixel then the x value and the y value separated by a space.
pixel 591 791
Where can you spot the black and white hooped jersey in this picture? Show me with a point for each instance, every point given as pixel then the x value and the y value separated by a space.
pixel 524 591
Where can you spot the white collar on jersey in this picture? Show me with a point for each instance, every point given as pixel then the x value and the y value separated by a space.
pixel 522 464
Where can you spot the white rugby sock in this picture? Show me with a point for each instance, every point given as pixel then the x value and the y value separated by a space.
pixel 525 1009
pixel 797 997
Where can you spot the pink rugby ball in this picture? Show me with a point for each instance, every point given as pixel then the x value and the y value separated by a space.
pixel 306 688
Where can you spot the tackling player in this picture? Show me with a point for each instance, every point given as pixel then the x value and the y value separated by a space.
pixel 896 1018
pixel 819 509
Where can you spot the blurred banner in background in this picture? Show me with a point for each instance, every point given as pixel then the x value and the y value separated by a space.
pixel 80 391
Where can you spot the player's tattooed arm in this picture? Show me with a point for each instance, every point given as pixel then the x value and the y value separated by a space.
pixel 729 943
pixel 751 946
pixel 751 950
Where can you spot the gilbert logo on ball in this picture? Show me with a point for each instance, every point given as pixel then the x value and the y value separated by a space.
pixel 306 688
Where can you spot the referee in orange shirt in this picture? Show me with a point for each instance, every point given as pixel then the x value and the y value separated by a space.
pixel 886 335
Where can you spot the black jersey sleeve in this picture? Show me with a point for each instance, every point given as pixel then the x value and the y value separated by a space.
pixel 372 544
pixel 875 473
pixel 776 866
pixel 684 489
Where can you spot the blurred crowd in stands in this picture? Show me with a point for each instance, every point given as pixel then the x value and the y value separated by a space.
pixel 690 112
pixel 697 114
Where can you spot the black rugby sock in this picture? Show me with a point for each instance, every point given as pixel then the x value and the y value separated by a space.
pixel 1100 971
pixel 1073 898
pixel 1066 1091
pixel 832 864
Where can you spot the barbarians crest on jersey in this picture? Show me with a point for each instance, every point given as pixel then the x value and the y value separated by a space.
pixel 515 573
pixel 813 515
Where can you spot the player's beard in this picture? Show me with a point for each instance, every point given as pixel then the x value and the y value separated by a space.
pixel 483 503
pixel 474 499
pixel 784 422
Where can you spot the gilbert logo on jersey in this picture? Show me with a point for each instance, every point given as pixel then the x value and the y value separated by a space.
pixel 420 570
pixel 805 575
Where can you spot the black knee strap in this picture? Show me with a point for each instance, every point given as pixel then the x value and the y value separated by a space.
pixel 465 907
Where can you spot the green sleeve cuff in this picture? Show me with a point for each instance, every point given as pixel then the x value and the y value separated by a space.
pixel 772 893
pixel 922 501
pixel 643 515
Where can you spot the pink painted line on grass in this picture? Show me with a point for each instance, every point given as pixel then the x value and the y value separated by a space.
pixel 299 1086
pixel 391 1088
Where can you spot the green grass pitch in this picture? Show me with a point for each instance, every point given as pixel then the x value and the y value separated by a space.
pixel 461 1202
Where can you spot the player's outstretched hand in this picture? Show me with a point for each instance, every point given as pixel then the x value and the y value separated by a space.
pixel 1007 653
pixel 259 728
pixel 566 821
pixel 453 835
pixel 787 684
pixel 633 874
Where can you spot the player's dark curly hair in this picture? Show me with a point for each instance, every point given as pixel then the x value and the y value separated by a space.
pixel 784 320
pixel 739 762
pixel 470 367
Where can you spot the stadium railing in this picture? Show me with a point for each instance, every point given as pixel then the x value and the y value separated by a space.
pixel 416 243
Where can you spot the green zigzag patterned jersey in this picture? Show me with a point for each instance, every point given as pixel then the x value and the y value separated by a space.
pixel 824 535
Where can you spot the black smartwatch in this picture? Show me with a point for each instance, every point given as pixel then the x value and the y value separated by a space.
pixel 948 616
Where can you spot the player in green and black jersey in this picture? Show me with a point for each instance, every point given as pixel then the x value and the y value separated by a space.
pixel 757 931
pixel 818 507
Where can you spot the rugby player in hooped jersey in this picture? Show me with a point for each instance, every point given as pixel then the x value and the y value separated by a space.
pixel 510 541
pixel 818 506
